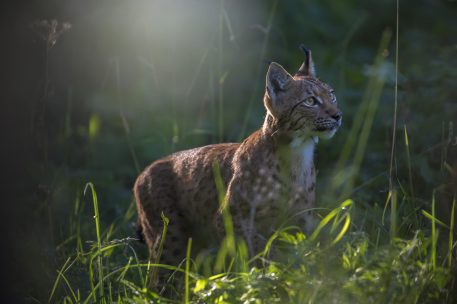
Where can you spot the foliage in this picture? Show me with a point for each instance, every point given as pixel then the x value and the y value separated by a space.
pixel 128 83
pixel 292 269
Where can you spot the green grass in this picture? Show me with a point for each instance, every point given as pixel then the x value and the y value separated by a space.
pixel 338 262
pixel 356 254
pixel 387 228
pixel 345 259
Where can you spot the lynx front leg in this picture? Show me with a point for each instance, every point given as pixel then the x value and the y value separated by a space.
pixel 243 217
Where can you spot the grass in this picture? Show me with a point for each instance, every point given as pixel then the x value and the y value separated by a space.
pixel 342 261
pixel 401 250
pixel 363 122
pixel 338 262
pixel 99 246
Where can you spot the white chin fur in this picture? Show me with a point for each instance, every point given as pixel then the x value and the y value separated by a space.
pixel 327 134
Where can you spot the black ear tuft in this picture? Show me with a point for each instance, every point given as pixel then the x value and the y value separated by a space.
pixel 304 49
pixel 307 67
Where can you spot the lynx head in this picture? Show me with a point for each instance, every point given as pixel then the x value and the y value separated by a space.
pixel 301 105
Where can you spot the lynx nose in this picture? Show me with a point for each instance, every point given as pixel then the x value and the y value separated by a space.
pixel 337 116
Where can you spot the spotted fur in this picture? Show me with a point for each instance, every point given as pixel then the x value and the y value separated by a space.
pixel 270 176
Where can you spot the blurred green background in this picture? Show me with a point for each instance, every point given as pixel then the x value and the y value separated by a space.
pixel 132 81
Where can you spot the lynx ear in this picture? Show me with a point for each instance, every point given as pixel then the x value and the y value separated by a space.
pixel 307 67
pixel 277 79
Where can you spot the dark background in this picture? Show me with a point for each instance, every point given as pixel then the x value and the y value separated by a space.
pixel 133 81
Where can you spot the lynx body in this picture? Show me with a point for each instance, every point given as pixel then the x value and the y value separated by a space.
pixel 270 176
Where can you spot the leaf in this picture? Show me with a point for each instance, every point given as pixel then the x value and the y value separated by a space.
pixel 200 285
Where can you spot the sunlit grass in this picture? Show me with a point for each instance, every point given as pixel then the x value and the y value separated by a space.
pixel 340 261
pixel 331 264
pixel 99 245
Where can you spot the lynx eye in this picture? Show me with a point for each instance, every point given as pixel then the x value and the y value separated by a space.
pixel 311 102
pixel 332 96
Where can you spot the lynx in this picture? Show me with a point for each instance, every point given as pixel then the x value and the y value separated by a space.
pixel 270 176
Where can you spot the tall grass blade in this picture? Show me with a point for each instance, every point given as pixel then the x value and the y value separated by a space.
pixel 260 68
pixel 344 47
pixel 154 274
pixel 344 205
pixel 56 283
pixel 220 87
pixel 443 148
pixel 124 121
pixel 362 122
pixel 243 255
pixel 116 271
pixel 196 74
pixel 434 234
pixel 430 217
pixel 344 229
pixel 394 127
pixel 451 235
pixel 393 214
pixel 126 268
pixel 228 243
pixel 186 278
pixel 99 241
pixel 389 195
pixel 270 241
pixel 110 292
pixel 408 160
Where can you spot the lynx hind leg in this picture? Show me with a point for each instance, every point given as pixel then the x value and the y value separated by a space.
pixel 154 194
